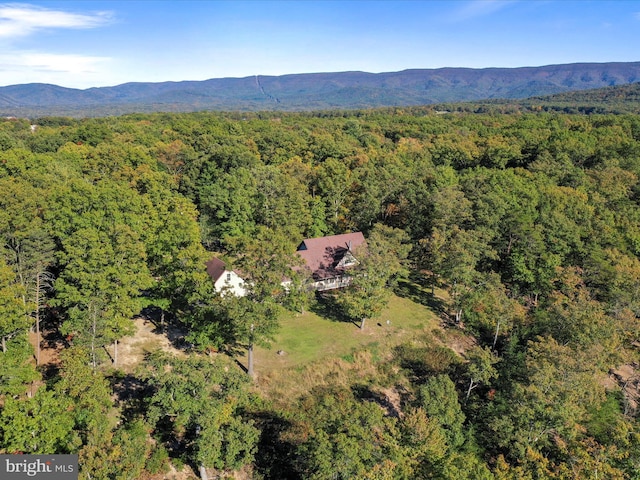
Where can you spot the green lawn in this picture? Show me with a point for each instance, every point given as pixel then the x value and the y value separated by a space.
pixel 309 338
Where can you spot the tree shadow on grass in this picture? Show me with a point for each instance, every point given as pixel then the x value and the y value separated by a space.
pixel 325 306
pixel 417 288
pixel 367 394
pixel 241 365
pixel 164 323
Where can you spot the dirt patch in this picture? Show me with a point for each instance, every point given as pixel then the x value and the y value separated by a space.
pixel 148 338
pixel 131 350
pixel 627 377
pixel 186 473
pixel 458 342
pixel 393 402
pixel 50 348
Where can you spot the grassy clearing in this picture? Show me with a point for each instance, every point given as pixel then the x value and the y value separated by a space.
pixel 318 350
pixel 314 347
pixel 308 337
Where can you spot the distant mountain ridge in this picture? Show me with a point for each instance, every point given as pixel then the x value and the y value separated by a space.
pixel 317 91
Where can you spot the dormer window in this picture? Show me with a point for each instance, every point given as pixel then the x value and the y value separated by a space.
pixel 348 260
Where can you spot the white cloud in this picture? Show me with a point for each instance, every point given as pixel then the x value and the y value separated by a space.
pixel 18 20
pixel 69 70
pixel 67 63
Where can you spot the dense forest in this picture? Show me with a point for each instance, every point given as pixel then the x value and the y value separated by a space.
pixel 620 99
pixel 520 231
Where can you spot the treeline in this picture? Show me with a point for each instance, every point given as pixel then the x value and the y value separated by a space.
pixel 619 99
pixel 530 222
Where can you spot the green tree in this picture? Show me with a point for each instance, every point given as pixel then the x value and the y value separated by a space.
pixel 340 437
pixel 439 399
pixel 504 208
pixel 174 156
pixel 28 425
pixel 615 277
pixel 491 310
pixel 480 369
pixel 12 308
pixel 199 403
pixel 89 392
pixel 281 202
pixel 101 285
pixel 552 404
pixel 266 262
pixel 380 262
pixel 573 317
pixel 175 256
pixel 228 206
pixel 424 444
pixel 26 245
pixel 16 369
pixel 453 255
pixel 108 446
pixel 333 179
pixel 253 322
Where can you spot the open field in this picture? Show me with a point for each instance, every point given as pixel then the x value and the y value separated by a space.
pixel 309 347
pixel 302 338
pixel 308 337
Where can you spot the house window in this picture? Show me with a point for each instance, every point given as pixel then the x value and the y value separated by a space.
pixel 228 277
pixel 348 260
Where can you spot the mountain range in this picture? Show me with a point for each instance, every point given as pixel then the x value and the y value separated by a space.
pixel 316 91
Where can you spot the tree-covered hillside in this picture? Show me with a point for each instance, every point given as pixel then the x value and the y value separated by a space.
pixel 316 91
pixel 527 226
pixel 618 100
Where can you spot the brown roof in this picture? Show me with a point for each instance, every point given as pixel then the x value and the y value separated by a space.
pixel 215 268
pixel 322 255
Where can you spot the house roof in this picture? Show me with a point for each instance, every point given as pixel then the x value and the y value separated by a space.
pixel 215 268
pixel 323 255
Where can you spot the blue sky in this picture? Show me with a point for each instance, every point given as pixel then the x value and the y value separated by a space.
pixel 82 44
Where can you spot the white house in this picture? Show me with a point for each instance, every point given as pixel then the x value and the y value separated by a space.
pixel 327 259
pixel 225 280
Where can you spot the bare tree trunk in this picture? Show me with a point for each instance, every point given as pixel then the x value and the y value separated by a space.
pixel 495 337
pixel 250 360
pixel 21 275
pixel 250 353
pixel 510 245
pixel 203 473
pixel 37 319
pixel 471 387
pixel 362 323
pixel 115 353
pixel 93 340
